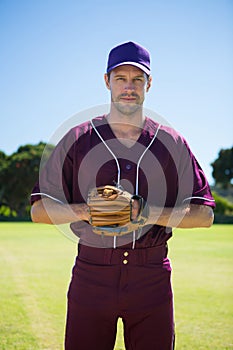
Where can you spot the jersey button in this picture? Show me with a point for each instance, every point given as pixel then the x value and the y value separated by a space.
pixel 125 262
pixel 126 253
pixel 128 166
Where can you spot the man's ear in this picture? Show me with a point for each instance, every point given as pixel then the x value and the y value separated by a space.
pixel 106 79
pixel 148 85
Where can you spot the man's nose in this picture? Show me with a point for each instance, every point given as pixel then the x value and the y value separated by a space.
pixel 129 85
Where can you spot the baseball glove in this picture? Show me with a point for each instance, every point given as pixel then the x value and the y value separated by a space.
pixel 114 211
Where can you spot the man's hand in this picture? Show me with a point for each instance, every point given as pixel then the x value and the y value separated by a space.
pixel 188 216
pixel 48 211
pixel 114 211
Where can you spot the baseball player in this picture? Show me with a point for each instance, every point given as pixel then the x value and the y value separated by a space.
pixel 122 181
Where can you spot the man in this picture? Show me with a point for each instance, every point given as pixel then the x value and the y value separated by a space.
pixel 123 275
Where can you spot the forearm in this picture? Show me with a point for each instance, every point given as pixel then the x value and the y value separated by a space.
pixel 183 217
pixel 50 212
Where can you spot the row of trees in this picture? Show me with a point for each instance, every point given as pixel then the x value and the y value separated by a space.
pixel 223 168
pixel 18 174
pixel 19 171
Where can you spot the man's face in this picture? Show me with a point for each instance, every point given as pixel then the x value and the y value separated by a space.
pixel 128 85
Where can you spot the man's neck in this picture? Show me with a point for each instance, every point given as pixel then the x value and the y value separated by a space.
pixel 126 128
pixel 126 122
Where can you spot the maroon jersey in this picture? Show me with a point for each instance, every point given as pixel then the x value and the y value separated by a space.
pixel 159 166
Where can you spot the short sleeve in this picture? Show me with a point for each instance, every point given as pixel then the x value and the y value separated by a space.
pixel 193 184
pixel 55 176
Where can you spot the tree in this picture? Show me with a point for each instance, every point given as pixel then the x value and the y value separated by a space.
pixel 3 167
pixel 223 168
pixel 223 206
pixel 18 174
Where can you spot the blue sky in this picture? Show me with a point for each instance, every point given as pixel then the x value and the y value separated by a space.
pixel 54 53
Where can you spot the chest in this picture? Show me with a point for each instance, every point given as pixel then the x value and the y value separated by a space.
pixel 149 172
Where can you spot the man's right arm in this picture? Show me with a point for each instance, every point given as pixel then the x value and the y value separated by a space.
pixel 48 211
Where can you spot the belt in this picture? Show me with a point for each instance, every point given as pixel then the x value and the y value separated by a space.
pixel 111 256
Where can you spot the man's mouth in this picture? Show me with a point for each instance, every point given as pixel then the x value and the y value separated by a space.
pixel 128 98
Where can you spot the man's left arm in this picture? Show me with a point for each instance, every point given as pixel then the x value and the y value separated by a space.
pixel 188 216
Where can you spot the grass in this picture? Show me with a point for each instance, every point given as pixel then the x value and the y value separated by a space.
pixel 35 270
pixel 202 280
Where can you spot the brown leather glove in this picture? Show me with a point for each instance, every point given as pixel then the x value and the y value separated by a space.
pixel 115 212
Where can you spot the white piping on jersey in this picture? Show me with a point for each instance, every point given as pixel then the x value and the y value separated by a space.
pixel 134 238
pixel 114 242
pixel 117 163
pixel 47 195
pixel 119 170
pixel 202 198
pixel 139 161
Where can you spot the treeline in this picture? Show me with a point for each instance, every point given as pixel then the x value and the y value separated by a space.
pixel 223 189
pixel 19 172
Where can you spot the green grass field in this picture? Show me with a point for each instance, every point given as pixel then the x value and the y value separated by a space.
pixel 35 269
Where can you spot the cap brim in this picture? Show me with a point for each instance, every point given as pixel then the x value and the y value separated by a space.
pixel 140 66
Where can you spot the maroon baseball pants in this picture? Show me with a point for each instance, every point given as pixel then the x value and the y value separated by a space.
pixel 111 283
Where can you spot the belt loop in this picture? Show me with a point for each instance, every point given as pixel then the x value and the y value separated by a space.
pixel 143 256
pixel 108 256
pixel 146 256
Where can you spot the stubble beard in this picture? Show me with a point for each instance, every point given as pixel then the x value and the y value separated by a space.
pixel 127 109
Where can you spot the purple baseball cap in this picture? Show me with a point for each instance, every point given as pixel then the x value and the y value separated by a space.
pixel 129 53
